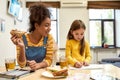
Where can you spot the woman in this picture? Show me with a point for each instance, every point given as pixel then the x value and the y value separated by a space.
pixel 77 48
pixel 36 47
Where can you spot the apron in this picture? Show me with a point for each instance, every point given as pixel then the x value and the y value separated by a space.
pixel 35 53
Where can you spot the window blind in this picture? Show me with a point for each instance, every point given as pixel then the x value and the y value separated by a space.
pixel 103 5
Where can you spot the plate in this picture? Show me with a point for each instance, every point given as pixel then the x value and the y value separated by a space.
pixel 49 75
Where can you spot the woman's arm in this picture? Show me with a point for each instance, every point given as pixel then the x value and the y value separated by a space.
pixel 50 50
pixel 16 38
pixel 21 58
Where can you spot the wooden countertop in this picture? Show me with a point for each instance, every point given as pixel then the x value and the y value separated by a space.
pixel 94 70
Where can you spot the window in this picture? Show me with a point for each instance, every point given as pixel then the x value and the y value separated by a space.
pixel 102 27
pixel 54 23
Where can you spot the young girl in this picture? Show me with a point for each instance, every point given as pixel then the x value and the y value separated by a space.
pixel 77 49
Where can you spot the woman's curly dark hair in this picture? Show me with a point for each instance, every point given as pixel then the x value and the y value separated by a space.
pixel 38 13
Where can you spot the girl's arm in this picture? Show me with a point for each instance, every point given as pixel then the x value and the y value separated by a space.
pixel 71 60
pixel 87 53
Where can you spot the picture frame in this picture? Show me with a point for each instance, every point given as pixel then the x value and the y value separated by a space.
pixel 15 9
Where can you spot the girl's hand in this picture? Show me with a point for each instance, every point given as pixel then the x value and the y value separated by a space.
pixel 85 64
pixel 33 65
pixel 78 65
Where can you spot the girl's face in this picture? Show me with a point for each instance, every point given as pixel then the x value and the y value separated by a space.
pixel 44 28
pixel 78 34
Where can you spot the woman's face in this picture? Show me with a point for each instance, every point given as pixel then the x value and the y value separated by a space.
pixel 44 28
pixel 78 34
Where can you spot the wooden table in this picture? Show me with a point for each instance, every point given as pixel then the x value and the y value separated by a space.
pixel 94 70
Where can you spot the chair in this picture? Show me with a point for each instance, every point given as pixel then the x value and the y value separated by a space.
pixel 114 61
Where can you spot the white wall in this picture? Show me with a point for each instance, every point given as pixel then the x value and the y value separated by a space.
pixel 118 27
pixel 67 16
pixel 7 48
pixel 5 44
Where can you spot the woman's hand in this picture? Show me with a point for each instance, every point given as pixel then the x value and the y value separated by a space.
pixel 78 64
pixel 33 65
pixel 17 41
